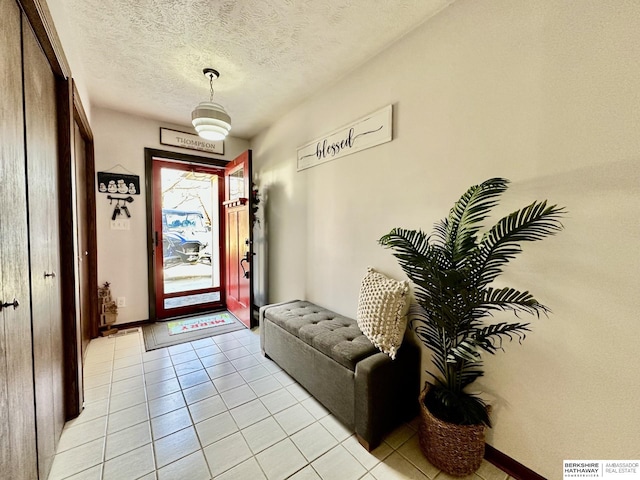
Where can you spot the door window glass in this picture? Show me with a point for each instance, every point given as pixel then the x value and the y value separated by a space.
pixel 190 232
pixel 236 184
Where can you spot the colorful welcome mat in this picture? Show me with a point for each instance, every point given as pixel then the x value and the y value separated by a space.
pixel 177 327
pixel 156 335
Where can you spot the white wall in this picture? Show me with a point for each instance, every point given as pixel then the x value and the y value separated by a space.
pixel 122 254
pixel 67 39
pixel 544 93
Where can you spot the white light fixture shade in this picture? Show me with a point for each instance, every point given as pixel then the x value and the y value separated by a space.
pixel 211 121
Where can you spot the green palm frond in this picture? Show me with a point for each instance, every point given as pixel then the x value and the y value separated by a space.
pixel 490 338
pixel 424 263
pixel 408 246
pixel 462 226
pixel 511 299
pixel 501 243
pixel 468 375
pixel 437 358
pixel 407 242
pixel 465 351
pixel 430 334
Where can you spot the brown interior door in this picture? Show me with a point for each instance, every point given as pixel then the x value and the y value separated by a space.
pixel 42 179
pixel 17 415
pixel 238 237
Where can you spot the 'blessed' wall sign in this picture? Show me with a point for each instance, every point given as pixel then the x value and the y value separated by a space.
pixel 366 132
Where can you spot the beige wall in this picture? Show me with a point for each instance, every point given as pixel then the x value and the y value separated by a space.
pixel 544 93
pixel 122 254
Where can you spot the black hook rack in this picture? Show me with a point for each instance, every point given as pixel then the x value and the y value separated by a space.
pixel 120 208
pixel 128 199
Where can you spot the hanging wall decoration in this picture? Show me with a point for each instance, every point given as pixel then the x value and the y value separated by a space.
pixel 366 132
pixel 121 183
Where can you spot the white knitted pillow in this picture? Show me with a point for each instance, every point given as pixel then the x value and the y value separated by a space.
pixel 382 308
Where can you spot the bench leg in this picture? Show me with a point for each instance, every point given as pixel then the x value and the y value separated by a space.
pixel 364 443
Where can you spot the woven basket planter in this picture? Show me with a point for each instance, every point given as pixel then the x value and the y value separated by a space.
pixel 455 449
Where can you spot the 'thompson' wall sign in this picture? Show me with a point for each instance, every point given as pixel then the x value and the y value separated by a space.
pixel 190 141
pixel 366 132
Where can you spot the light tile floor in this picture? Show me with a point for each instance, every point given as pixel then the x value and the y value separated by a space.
pixel 216 408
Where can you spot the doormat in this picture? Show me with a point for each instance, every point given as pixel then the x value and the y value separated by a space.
pixel 156 335
pixel 177 327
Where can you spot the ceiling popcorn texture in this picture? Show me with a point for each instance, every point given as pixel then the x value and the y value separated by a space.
pixel 146 57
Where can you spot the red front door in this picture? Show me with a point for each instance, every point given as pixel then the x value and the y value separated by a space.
pixel 238 237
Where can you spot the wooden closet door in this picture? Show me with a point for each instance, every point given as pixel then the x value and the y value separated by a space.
pixel 17 417
pixel 42 181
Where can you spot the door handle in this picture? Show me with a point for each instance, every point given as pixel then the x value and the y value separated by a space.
pixel 245 259
pixel 15 304
pixel 52 274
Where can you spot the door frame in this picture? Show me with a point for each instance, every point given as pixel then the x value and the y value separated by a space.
pixel 80 117
pixel 149 155
pixel 70 112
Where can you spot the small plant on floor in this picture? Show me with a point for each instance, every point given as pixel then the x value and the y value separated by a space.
pixel 452 271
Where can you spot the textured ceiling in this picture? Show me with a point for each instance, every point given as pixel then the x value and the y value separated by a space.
pixel 146 56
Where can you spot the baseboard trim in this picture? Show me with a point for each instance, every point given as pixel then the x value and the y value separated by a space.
pixel 509 465
pixel 128 325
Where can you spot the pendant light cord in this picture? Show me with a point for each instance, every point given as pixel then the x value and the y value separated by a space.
pixel 211 86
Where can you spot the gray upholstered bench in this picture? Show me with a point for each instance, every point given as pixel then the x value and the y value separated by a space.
pixel 330 357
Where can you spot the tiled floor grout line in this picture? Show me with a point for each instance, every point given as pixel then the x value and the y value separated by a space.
pixel 106 423
pixel 238 426
pixel 146 398
pixel 182 392
pixel 239 429
pixel 271 415
pixel 170 358
pixel 193 422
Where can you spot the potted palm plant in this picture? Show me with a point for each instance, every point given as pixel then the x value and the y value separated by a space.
pixel 452 271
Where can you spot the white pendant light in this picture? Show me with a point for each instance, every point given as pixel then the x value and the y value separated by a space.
pixel 210 119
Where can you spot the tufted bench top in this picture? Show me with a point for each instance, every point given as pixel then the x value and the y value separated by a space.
pixel 336 336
